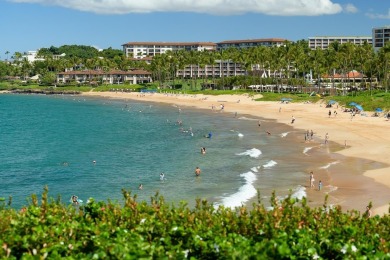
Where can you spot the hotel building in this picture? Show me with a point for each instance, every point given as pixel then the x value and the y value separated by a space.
pixel 323 42
pixel 140 50
pixel 380 36
pixel 240 44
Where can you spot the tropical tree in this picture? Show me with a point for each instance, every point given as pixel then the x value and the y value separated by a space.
pixel 6 53
pixel 384 57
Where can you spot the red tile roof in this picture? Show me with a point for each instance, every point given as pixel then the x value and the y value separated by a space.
pixel 352 74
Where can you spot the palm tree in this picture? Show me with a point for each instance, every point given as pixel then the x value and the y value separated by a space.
pixel 6 53
pixel 384 57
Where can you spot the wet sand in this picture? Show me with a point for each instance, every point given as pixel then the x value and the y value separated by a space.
pixel 362 140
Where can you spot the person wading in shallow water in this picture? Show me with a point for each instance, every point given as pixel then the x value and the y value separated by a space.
pixel 197 171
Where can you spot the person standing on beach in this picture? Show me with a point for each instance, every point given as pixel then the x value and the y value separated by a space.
pixel 197 171
pixel 326 138
pixel 368 212
pixel 292 120
pixel 311 179
pixel 319 185
pixel 329 113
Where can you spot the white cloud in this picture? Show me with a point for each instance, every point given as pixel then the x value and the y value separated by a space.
pixel 379 16
pixel 350 8
pixel 215 7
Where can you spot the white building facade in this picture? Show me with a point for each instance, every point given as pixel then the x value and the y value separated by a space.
pixel 240 44
pixel 380 36
pixel 323 42
pixel 141 50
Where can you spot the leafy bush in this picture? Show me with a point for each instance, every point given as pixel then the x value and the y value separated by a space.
pixel 138 230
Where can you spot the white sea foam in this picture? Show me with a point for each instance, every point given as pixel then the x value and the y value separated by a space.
pixel 299 193
pixel 307 149
pixel 254 169
pixel 240 135
pixel 332 188
pixel 284 134
pixel 244 193
pixel 247 118
pixel 254 153
pixel 329 164
pixel 270 164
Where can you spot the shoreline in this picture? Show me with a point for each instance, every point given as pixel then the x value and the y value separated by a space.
pixel 362 137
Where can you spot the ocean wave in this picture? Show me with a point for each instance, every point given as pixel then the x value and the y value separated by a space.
pixel 284 134
pixel 329 164
pixel 307 149
pixel 299 193
pixel 270 164
pixel 254 169
pixel 247 118
pixel 254 153
pixel 244 193
pixel 332 188
pixel 238 133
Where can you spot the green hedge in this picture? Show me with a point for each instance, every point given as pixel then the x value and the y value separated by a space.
pixel 156 230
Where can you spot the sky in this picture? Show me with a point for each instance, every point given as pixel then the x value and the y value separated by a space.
pixel 27 25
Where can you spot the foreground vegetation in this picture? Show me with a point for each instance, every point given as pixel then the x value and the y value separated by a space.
pixel 138 230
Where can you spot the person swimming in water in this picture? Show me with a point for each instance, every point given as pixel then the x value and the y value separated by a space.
pixel 203 150
pixel 162 176
pixel 75 200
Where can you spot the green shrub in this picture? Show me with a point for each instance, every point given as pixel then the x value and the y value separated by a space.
pixel 138 230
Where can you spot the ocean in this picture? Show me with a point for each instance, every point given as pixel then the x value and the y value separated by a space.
pixel 95 147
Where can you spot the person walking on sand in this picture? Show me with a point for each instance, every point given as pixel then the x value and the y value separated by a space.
pixel 292 120
pixel 329 113
pixel 197 171
pixel 311 179
pixel 319 185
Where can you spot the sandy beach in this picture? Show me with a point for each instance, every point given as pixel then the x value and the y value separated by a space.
pixel 363 139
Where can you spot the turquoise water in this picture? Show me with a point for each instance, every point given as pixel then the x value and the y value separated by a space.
pixel 54 141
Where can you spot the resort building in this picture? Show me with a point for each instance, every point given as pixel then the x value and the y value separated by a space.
pixel 150 49
pixel 105 77
pixel 239 44
pixel 351 79
pixel 32 56
pixel 221 68
pixel 380 36
pixel 323 42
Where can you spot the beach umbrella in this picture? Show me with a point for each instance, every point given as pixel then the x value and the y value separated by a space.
pixel 378 109
pixel 352 104
pixel 359 107
pixel 331 102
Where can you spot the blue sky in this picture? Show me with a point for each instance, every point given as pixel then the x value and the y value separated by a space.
pixel 32 24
